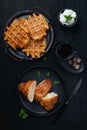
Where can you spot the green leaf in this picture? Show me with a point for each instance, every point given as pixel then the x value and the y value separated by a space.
pixel 56 82
pixel 48 74
pixel 25 116
pixel 45 58
pixel 21 112
pixel 68 18
pixel 38 73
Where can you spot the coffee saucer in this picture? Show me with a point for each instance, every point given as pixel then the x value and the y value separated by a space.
pixel 73 63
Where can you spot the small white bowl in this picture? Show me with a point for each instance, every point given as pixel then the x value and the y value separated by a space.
pixel 67 17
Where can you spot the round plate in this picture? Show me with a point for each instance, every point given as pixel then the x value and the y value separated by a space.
pixel 18 54
pixel 57 86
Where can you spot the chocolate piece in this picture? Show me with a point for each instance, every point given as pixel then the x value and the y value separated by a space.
pixel 70 62
pixel 78 60
pixel 76 66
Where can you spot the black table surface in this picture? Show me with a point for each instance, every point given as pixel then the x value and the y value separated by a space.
pixel 74 116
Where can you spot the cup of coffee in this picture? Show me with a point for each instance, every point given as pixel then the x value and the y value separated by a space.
pixel 64 51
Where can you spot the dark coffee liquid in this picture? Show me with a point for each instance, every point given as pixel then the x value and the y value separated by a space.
pixel 64 51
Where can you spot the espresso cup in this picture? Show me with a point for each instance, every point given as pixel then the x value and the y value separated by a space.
pixel 64 51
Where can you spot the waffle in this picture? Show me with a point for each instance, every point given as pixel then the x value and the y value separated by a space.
pixel 28 34
pixel 35 48
pixel 37 25
pixel 17 35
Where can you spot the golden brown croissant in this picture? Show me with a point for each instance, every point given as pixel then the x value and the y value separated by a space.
pixel 28 89
pixel 49 101
pixel 42 89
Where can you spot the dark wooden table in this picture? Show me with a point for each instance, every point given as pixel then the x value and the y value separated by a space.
pixel 74 115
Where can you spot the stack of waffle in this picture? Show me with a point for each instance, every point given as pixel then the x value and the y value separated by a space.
pixel 28 34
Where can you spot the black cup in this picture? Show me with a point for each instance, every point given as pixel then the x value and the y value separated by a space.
pixel 64 51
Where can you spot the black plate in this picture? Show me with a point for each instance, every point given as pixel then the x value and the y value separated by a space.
pixel 18 54
pixel 31 74
pixel 65 65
